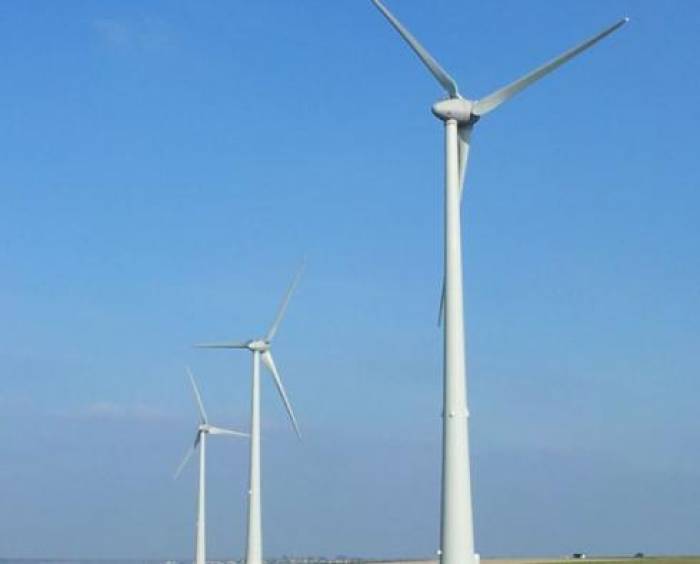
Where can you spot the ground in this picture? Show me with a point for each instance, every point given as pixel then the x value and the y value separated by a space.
pixel 596 559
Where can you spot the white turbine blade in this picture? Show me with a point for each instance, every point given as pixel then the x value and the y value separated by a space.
pixel 434 67
pixel 441 311
pixel 197 397
pixel 185 460
pixel 465 132
pixel 283 306
pixel 222 431
pixel 222 345
pixel 270 363
pixel 495 99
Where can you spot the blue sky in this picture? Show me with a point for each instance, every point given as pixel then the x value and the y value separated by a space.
pixel 164 167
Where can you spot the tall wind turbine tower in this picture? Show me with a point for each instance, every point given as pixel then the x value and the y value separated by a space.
pixel 200 441
pixel 261 350
pixel 459 116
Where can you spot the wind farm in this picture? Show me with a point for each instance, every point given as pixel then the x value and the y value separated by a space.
pixel 261 350
pixel 165 166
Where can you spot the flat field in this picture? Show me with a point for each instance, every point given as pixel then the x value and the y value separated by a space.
pixel 603 560
pixel 559 560
pixel 609 560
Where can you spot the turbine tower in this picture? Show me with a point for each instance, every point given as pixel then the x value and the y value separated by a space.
pixel 459 116
pixel 200 441
pixel 261 350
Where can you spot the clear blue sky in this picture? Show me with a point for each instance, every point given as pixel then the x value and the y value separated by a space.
pixel 163 168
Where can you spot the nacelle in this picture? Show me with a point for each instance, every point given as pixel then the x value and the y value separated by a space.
pixel 458 109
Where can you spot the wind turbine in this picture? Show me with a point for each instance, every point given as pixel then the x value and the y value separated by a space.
pixel 261 350
pixel 459 116
pixel 200 441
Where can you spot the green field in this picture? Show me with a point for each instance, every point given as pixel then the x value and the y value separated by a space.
pixel 645 560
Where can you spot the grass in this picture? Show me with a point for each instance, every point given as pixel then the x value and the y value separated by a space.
pixel 645 560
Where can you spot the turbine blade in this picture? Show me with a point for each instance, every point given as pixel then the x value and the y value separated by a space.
pixel 434 67
pixel 495 99
pixel 465 132
pixel 441 311
pixel 197 397
pixel 222 345
pixel 285 302
pixel 270 363
pixel 185 460
pixel 222 431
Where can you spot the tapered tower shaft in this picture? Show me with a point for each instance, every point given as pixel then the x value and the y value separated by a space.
pixel 457 531
pixel 201 542
pixel 254 547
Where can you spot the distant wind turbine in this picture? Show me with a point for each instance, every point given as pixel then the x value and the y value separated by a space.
pixel 460 115
pixel 260 349
pixel 200 441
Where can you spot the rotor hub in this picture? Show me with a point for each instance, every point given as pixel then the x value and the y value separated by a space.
pixel 457 109
pixel 259 345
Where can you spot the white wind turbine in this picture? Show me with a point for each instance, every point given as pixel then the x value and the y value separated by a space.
pixel 200 441
pixel 260 349
pixel 460 115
